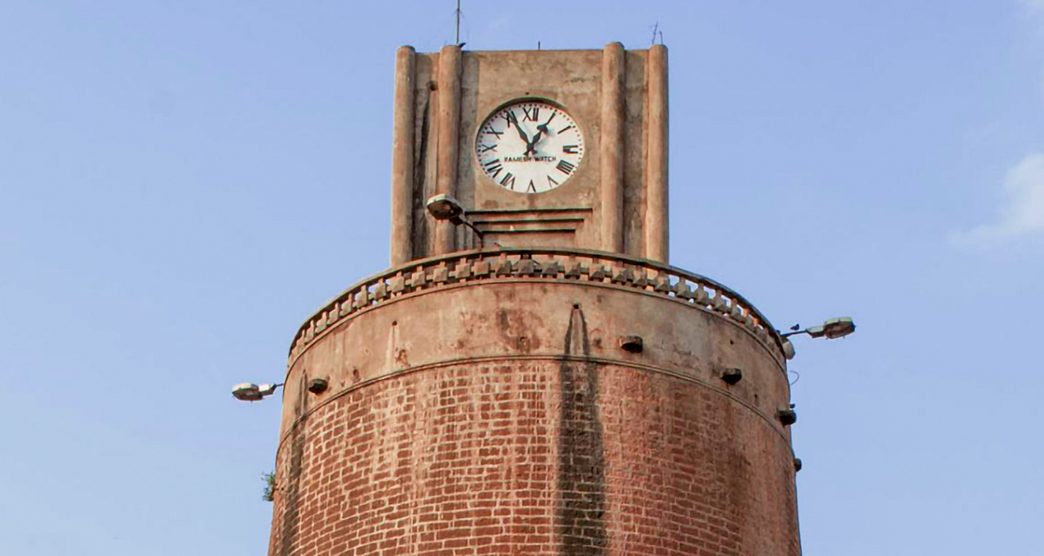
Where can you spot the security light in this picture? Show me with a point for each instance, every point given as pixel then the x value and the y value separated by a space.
pixel 250 392
pixel 833 328
pixel 445 207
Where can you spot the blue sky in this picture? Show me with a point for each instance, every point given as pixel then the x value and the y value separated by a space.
pixel 179 184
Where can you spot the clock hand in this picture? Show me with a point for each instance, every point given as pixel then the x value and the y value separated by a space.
pixel 531 146
pixel 543 126
pixel 541 130
pixel 512 119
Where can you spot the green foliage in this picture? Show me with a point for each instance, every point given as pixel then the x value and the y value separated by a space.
pixel 270 486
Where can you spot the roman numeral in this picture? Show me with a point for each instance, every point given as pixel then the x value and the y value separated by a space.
pixel 511 118
pixel 493 168
pixel 508 181
pixel 553 114
pixel 486 148
pixel 490 131
pixel 551 183
pixel 532 187
pixel 532 113
pixel 570 149
pixel 565 167
pixel 565 128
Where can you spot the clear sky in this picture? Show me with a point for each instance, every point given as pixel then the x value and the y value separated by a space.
pixel 182 183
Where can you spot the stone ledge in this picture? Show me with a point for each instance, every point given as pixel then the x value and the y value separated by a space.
pixel 539 264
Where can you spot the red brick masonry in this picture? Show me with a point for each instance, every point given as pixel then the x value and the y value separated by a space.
pixel 505 419
pixel 494 459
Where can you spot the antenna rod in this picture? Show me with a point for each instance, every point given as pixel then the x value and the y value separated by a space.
pixel 458 22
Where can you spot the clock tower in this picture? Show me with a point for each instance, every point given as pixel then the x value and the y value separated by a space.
pixel 544 148
pixel 556 388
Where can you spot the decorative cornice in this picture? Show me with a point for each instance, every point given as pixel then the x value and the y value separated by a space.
pixel 539 264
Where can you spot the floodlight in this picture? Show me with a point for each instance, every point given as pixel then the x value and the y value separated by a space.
pixel 832 328
pixel 445 207
pixel 250 392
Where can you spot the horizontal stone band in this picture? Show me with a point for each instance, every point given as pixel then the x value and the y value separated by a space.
pixel 570 265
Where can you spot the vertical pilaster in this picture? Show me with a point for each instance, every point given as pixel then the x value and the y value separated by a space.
pixel 612 145
pixel 448 137
pixel 402 158
pixel 656 230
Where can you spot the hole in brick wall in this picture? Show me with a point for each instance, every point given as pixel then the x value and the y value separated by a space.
pixel 576 305
pixel 318 385
pixel 732 375
pixel 631 344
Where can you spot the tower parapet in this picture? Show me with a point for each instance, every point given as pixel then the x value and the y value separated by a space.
pixel 536 401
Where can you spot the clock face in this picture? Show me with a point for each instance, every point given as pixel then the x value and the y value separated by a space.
pixel 529 146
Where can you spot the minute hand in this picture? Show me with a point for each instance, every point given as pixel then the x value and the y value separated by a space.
pixel 513 120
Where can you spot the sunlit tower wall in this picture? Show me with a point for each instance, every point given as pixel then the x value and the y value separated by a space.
pixel 535 396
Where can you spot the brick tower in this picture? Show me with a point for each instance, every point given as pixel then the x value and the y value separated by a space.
pixel 544 383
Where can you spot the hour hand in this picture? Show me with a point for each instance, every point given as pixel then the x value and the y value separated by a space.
pixel 543 127
pixel 541 131
pixel 531 147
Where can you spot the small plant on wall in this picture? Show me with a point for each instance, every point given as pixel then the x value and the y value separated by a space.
pixel 270 486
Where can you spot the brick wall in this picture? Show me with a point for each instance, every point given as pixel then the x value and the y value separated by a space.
pixel 542 458
pixel 504 418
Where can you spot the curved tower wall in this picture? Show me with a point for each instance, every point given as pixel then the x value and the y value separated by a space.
pixel 482 404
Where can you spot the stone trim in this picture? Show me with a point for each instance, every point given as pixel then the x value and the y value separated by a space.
pixel 557 265
pixel 769 420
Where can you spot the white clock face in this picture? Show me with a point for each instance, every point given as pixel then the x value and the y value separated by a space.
pixel 529 146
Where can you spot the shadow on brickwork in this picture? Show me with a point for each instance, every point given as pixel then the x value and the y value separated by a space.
pixel 580 507
pixel 291 490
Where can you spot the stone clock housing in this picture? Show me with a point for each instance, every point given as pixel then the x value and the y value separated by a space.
pixel 606 187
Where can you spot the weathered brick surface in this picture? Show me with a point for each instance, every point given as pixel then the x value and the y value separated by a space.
pixel 497 459
pixel 561 445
